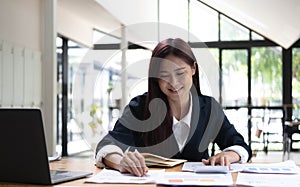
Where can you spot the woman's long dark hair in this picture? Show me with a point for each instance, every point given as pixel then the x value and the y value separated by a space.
pixel 182 50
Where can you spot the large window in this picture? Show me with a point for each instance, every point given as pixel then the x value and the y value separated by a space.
pixel 235 77
pixel 92 78
pixel 66 110
pixel 266 76
pixel 231 30
pixel 203 23
pixel 208 70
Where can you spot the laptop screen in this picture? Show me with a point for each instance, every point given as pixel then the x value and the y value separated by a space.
pixel 23 149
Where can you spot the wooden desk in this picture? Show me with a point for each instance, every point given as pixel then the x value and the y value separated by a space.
pixel 86 164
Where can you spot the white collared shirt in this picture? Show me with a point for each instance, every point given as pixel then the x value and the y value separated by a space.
pixel 181 129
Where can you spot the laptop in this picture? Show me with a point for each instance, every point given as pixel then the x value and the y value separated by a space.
pixel 23 152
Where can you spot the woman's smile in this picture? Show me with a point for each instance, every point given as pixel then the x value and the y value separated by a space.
pixel 176 90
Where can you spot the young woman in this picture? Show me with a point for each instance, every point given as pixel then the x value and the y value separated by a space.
pixel 173 119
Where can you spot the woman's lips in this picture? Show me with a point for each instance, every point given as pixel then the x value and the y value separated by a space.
pixel 175 90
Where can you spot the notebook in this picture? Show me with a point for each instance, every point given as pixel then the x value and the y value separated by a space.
pixel 23 155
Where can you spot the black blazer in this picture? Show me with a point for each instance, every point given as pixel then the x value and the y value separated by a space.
pixel 208 124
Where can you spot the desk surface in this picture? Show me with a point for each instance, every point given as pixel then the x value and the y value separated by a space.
pixel 87 164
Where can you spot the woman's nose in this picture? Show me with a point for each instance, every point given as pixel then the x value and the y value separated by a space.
pixel 173 80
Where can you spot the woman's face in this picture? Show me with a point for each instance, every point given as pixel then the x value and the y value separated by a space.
pixel 175 77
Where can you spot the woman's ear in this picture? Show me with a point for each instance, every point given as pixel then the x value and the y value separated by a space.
pixel 194 68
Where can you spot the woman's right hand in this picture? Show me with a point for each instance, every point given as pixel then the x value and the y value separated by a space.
pixel 129 162
pixel 134 163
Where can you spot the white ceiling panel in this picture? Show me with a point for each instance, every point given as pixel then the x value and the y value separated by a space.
pixel 130 12
pixel 277 20
pixel 76 20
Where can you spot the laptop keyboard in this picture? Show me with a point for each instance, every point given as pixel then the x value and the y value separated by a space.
pixel 58 174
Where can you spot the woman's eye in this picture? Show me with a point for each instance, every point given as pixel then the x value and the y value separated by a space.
pixel 163 76
pixel 180 73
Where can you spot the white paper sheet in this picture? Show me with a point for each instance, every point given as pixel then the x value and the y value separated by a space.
pixel 162 177
pixel 113 176
pixel 287 167
pixel 195 179
pixel 274 175
pixel 268 180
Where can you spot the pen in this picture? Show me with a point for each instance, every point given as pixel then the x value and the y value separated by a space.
pixel 127 150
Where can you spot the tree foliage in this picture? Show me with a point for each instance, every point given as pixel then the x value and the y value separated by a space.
pixel 296 71
pixel 266 67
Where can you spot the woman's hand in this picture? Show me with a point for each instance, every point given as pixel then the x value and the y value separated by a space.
pixel 223 158
pixel 130 162
pixel 134 163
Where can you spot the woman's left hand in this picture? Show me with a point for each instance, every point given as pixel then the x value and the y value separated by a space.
pixel 223 158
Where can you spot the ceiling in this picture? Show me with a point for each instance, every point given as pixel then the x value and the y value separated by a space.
pixel 277 20
pixel 76 20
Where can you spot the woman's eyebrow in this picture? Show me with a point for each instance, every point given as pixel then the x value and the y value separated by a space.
pixel 178 69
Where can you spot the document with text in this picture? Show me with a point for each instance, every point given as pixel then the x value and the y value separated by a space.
pixel 164 178
pixel 287 167
pixel 270 175
pixel 114 176
pixel 195 179
pixel 268 180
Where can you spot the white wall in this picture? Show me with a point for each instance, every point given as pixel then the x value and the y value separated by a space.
pixel 20 23
pixel 20 80
pixel 20 49
pixel 28 59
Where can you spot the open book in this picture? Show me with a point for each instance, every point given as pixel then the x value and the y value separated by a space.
pixel 155 160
